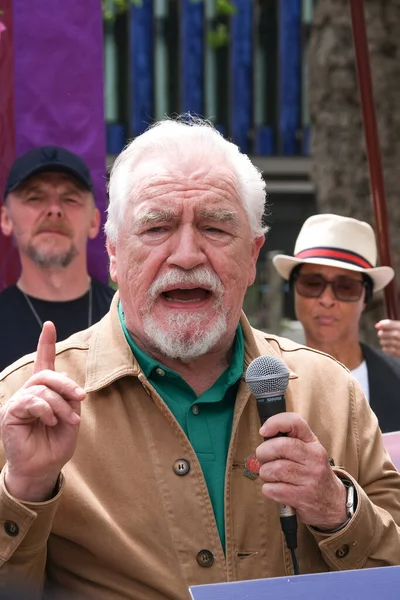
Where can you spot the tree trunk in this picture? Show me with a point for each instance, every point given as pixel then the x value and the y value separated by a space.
pixel 339 161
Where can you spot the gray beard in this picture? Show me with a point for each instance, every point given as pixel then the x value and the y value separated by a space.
pixel 176 343
pixel 44 259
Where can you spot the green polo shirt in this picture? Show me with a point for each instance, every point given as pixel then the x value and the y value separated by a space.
pixel 205 419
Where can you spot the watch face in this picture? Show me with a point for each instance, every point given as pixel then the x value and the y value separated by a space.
pixel 350 500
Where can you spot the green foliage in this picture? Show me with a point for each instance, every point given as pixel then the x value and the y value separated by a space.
pixel 222 8
pixel 117 7
pixel 219 36
pixel 225 7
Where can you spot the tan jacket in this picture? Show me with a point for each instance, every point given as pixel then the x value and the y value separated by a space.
pixel 124 525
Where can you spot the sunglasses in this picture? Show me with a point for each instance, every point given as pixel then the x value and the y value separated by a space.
pixel 313 285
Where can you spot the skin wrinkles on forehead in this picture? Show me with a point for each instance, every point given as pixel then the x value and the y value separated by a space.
pixel 150 185
pixel 211 189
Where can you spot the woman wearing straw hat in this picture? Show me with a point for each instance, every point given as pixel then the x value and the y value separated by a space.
pixel 333 274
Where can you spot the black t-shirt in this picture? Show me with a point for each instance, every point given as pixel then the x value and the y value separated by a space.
pixel 20 330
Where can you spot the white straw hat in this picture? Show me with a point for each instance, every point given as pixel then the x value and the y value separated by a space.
pixel 337 242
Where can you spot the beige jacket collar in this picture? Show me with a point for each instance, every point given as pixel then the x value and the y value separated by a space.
pixel 110 357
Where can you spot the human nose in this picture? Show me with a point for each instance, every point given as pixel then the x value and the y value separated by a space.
pixel 327 298
pixel 187 252
pixel 54 208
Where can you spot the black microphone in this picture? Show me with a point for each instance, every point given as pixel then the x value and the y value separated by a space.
pixel 267 378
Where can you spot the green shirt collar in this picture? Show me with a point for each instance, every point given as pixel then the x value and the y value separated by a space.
pixel 149 364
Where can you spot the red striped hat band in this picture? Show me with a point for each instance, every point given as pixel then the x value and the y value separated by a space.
pixel 335 254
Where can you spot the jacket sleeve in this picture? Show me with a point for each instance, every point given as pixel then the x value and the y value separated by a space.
pixel 23 540
pixel 372 536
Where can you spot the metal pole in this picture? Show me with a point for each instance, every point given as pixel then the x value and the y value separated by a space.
pixel 373 148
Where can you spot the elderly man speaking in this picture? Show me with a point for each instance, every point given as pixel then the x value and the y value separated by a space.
pixel 134 462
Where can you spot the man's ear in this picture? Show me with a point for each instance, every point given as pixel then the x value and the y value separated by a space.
pixel 5 221
pixel 255 251
pixel 111 249
pixel 94 224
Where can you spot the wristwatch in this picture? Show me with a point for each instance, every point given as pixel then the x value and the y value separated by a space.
pixel 351 501
pixel 350 504
pixel 349 498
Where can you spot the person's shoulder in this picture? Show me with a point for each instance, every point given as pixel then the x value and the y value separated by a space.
pixel 71 357
pixel 378 356
pixel 297 355
pixel 101 288
pixel 12 303
pixel 9 294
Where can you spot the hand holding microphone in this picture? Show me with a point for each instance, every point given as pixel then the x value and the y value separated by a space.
pixel 267 378
pixel 294 464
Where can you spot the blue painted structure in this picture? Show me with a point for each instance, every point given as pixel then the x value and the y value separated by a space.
pixel 141 53
pixel 290 57
pixel 192 52
pixel 187 18
pixel 241 74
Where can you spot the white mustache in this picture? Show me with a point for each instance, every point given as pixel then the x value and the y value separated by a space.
pixel 200 277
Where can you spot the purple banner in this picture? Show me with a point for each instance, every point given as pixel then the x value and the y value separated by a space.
pixel 58 95
pixel 9 260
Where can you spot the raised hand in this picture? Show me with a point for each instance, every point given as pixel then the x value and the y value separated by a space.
pixel 297 472
pixel 39 425
pixel 389 336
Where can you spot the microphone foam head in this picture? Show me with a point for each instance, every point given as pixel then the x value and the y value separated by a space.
pixel 267 376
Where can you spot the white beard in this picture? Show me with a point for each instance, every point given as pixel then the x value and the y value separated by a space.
pixel 186 336
pixel 176 342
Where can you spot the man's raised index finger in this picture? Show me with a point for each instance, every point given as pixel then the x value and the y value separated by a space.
pixel 46 349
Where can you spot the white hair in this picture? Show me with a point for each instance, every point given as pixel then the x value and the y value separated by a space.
pixel 190 141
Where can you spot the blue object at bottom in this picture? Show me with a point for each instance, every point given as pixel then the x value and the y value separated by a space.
pixel 362 584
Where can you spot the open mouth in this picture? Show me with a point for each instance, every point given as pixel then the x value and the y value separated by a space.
pixel 187 296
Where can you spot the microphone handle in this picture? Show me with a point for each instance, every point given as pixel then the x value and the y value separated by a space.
pixel 267 407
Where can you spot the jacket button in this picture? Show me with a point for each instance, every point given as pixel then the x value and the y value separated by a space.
pixel 181 466
pixel 343 551
pixel 205 558
pixel 11 528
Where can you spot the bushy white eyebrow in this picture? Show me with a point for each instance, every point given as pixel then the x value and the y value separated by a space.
pixel 221 215
pixel 165 215
pixel 147 216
